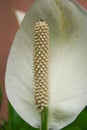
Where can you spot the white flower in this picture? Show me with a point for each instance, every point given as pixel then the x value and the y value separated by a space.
pixel 67 23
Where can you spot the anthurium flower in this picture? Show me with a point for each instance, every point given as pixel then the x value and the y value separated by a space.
pixel 67 63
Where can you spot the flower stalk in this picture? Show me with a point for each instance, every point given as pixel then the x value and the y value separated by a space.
pixel 44 119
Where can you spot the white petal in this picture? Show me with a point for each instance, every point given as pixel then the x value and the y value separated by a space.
pixel 67 63
pixel 68 73
pixel 20 15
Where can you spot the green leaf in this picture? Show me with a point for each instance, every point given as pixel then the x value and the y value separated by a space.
pixel 71 127
pixel 3 124
pixel 80 123
pixel 16 122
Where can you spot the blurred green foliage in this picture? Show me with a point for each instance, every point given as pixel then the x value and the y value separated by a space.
pixel 80 123
pixel 15 122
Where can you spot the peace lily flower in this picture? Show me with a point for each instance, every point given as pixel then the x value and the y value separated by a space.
pixel 66 33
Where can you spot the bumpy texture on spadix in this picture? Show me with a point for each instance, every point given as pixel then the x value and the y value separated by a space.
pixel 41 46
pixel 67 23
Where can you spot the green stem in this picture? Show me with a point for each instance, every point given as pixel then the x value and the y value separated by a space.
pixel 44 119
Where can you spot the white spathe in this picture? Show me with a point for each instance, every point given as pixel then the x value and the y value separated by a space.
pixel 19 15
pixel 67 63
